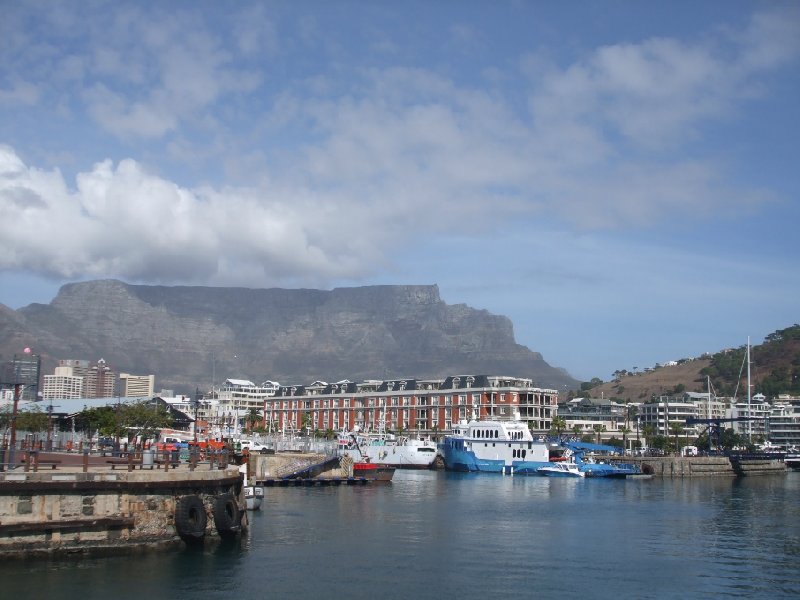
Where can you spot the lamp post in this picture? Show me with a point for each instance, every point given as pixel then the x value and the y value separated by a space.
pixel 12 449
pixel 195 404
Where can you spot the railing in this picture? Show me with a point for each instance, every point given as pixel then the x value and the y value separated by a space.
pixel 34 460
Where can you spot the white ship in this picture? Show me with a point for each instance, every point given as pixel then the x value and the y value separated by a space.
pixel 387 449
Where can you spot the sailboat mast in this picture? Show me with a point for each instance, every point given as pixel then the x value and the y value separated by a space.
pixel 749 414
pixel 708 429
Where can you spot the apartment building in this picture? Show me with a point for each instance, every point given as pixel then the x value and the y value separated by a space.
pixel 136 386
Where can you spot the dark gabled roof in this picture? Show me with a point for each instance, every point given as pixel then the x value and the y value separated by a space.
pixel 459 382
pixel 289 391
pixel 397 384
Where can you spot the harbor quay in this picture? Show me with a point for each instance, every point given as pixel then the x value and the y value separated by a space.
pixel 706 466
pixel 74 504
pixel 283 468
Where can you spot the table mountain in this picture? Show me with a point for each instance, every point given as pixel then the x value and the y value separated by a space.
pixel 197 336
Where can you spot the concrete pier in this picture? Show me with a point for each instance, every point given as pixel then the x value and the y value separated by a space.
pixel 707 466
pixel 70 509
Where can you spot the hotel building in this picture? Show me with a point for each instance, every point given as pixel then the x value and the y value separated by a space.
pixel 423 406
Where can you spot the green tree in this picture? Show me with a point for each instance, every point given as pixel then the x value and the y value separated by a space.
pixel 142 419
pixel 676 429
pixel 598 429
pixel 649 432
pixel 253 418
pixel 32 420
pixel 559 425
pixel 659 442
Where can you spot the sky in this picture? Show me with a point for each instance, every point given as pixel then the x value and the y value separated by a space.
pixel 618 178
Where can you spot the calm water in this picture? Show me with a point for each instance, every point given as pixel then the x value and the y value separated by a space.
pixel 441 535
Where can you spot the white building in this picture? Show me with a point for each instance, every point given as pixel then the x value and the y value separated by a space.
pixel 136 385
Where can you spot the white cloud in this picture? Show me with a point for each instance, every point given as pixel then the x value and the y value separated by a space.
pixel 124 222
pixel 340 165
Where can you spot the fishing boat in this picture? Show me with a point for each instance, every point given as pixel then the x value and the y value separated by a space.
pixel 561 469
pixel 386 449
pixel 253 497
pixel 373 472
pixel 495 447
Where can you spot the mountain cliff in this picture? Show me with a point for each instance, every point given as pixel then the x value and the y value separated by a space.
pixel 195 336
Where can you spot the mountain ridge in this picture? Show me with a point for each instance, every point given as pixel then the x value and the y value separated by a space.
pixel 194 336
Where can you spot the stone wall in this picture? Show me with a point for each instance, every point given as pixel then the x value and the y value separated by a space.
pixel 707 466
pixel 42 514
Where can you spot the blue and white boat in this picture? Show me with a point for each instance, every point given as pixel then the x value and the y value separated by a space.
pixel 561 469
pixel 494 447
pixel 599 464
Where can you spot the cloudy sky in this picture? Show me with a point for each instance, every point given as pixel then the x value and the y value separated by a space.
pixel 619 178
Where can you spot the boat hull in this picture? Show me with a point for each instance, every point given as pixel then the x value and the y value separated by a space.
pixel 253 497
pixel 409 454
pixel 471 460
pixel 373 472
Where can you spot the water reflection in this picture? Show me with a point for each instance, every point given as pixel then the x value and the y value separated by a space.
pixel 468 536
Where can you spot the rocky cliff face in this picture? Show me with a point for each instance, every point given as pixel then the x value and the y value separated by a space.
pixel 195 336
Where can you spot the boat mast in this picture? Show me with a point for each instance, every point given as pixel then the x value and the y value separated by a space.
pixel 749 414
pixel 708 429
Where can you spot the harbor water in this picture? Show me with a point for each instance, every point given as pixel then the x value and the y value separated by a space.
pixel 463 536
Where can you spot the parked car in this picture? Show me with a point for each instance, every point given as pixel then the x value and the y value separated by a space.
pixel 105 443
pixel 252 446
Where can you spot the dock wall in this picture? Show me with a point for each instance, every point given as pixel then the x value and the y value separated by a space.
pixel 100 512
pixel 708 466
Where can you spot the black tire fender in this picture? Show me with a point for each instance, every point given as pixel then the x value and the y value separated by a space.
pixel 227 516
pixel 190 517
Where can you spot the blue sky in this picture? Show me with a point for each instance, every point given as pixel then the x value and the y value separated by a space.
pixel 620 179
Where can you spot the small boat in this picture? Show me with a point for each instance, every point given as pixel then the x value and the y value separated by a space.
pixel 253 496
pixel 561 469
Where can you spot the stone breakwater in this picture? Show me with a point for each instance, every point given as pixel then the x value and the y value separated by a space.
pixel 68 511
pixel 709 466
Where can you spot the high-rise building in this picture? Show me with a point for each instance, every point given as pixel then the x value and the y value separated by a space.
pixel 22 372
pixel 136 385
pixel 100 381
pixel 62 384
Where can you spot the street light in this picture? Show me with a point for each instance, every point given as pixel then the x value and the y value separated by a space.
pixel 195 404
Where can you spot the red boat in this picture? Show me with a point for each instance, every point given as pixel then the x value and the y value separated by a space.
pixel 372 471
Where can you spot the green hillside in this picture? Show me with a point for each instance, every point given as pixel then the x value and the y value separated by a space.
pixel 774 370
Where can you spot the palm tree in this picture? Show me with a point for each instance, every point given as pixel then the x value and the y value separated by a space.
pixel 559 425
pixel 253 417
pixel 648 431
pixel 676 429
pixel 598 429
